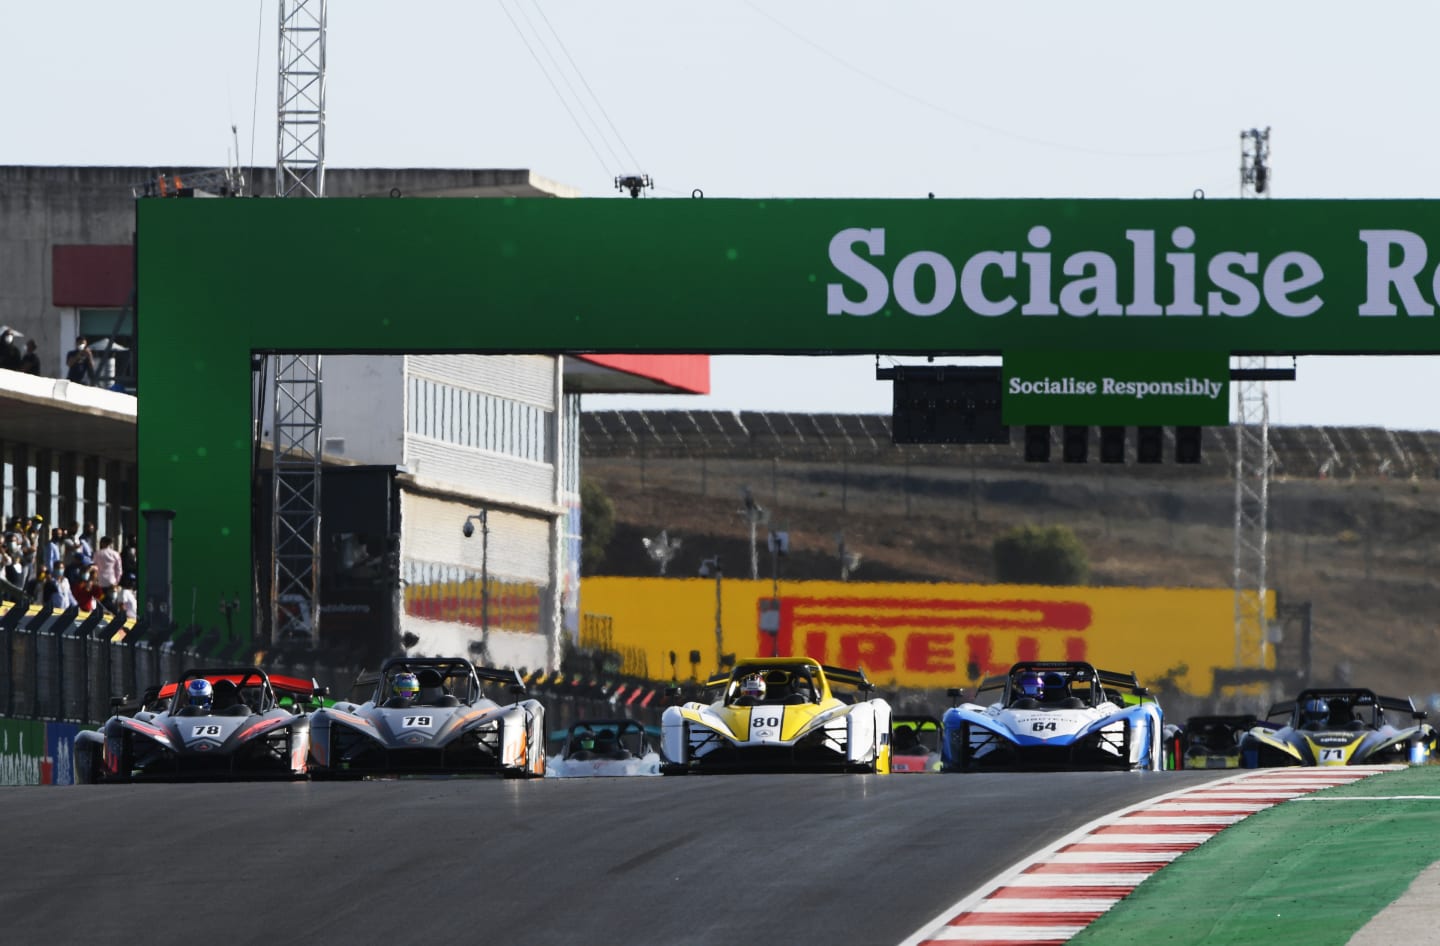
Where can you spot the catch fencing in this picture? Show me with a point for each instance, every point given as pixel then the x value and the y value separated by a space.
pixel 76 667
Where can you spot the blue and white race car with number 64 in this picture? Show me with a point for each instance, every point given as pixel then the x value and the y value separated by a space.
pixel 1055 715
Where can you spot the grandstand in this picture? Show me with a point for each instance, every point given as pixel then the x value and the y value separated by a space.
pixel 1299 452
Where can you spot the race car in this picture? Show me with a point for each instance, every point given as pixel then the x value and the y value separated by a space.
pixel 227 723
pixel 604 747
pixel 915 744
pixel 779 714
pixel 1339 726
pixel 1211 742
pixel 429 715
pixel 1055 715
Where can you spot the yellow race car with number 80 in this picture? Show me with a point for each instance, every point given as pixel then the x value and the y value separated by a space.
pixel 780 714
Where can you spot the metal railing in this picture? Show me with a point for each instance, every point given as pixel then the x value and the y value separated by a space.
pixel 70 666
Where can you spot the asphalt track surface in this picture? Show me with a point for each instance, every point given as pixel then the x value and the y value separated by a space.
pixel 792 859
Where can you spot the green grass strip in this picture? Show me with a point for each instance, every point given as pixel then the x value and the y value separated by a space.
pixel 1308 872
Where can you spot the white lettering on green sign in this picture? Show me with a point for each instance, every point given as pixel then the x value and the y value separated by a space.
pixel 1088 282
pixel 1115 387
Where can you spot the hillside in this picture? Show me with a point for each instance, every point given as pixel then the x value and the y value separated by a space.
pixel 1357 547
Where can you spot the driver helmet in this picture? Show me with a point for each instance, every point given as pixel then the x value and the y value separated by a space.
pixel 200 694
pixel 1031 685
pixel 1315 711
pixel 406 686
pixel 587 741
pixel 753 686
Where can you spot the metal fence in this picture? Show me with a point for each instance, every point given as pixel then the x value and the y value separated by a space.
pixel 68 666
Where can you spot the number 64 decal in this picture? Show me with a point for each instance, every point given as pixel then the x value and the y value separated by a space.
pixel 1042 726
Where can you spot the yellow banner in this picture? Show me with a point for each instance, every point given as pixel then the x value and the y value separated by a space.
pixel 924 635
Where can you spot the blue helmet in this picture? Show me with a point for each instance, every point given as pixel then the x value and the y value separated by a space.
pixel 1315 711
pixel 200 694
pixel 1031 685
pixel 405 685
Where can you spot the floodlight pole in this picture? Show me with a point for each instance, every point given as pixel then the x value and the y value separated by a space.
pixel 484 517
pixel 712 566
pixel 755 514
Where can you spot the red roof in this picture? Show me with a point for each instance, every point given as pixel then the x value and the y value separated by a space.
pixel 684 374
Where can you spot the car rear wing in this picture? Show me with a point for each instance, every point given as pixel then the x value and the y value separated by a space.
pixel 1400 704
pixel 844 675
pixel 1115 680
pixel 511 678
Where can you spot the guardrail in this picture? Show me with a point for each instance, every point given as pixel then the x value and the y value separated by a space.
pixel 69 670
pixel 72 666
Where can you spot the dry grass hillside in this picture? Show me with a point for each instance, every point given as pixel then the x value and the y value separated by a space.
pixel 1359 548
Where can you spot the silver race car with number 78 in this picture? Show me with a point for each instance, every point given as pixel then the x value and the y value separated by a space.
pixel 226 723
pixel 429 715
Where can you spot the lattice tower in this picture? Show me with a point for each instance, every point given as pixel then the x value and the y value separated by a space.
pixel 1252 455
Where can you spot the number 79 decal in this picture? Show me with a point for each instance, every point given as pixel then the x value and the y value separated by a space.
pixel 416 722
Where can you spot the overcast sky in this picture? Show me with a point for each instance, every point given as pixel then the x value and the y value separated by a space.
pixel 792 99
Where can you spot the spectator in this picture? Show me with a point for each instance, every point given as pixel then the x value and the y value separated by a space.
pixel 55 550
pixel 30 542
pixel 75 571
pixel 57 591
pixel 127 605
pixel 44 589
pixel 14 563
pixel 130 556
pixel 69 544
pixel 87 588
pixel 30 361
pixel 10 577
pixel 108 568
pixel 87 543
pixel 9 349
pixel 80 362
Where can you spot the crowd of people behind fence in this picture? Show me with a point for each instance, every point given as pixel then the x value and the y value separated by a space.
pixel 67 567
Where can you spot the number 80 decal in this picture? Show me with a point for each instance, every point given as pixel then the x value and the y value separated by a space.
pixel 765 722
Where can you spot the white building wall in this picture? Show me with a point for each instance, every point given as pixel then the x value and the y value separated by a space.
pixel 481 434
pixel 483 424
pixel 526 378
pixel 441 570
pixel 363 397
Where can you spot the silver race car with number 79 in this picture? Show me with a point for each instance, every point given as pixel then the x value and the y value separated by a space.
pixel 429 715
